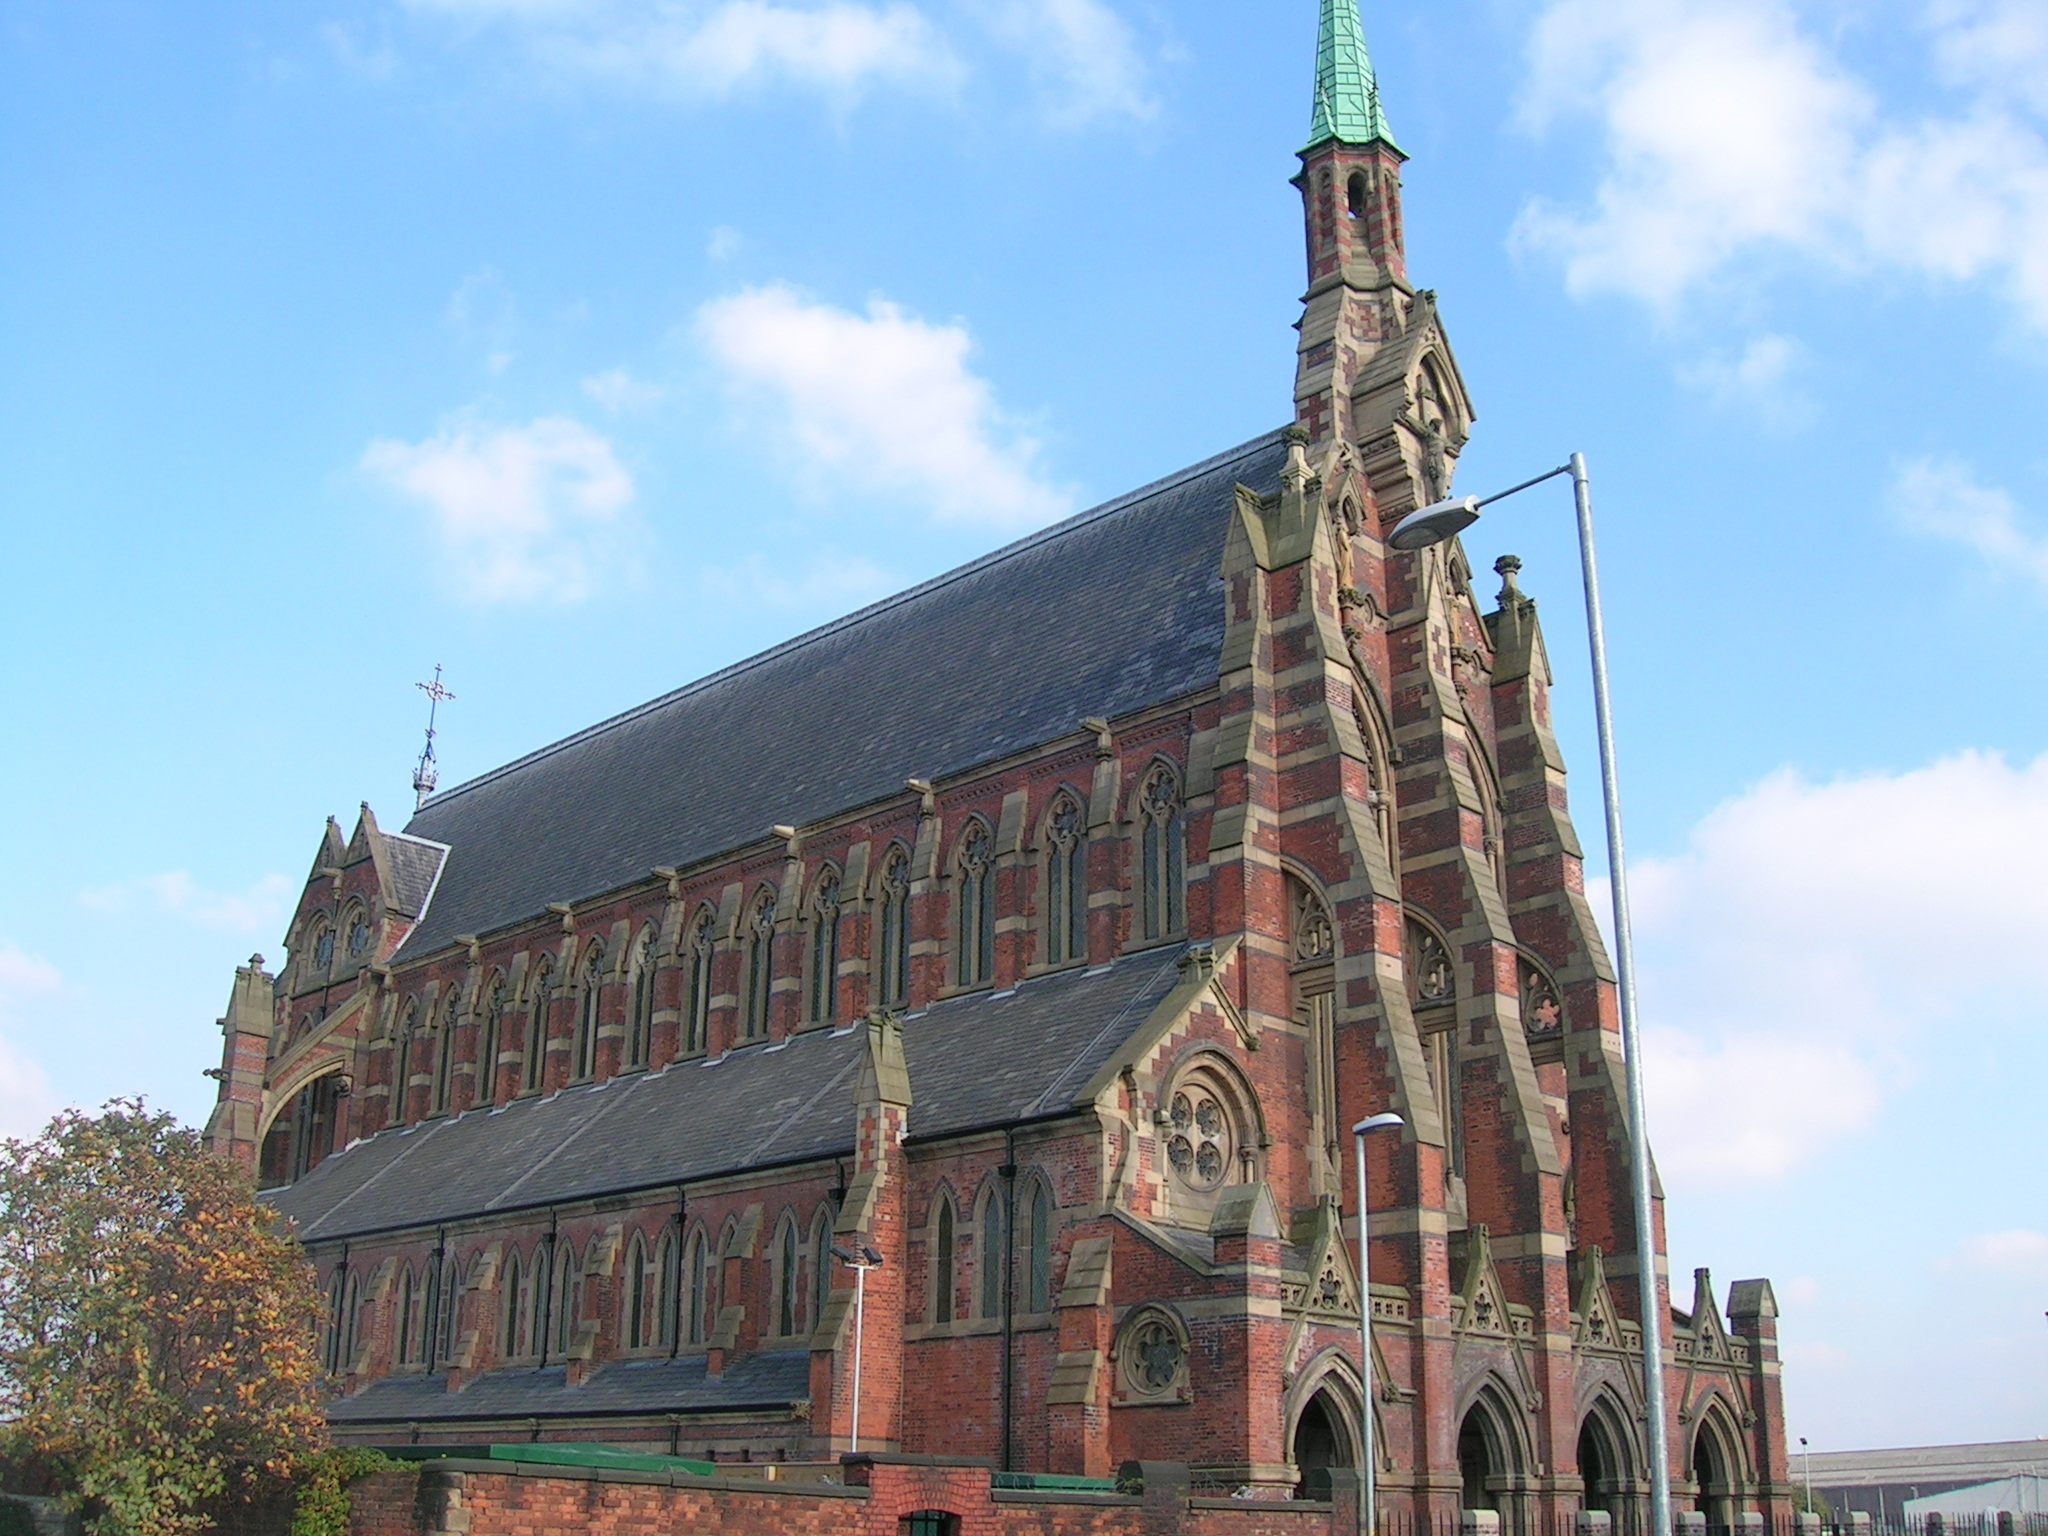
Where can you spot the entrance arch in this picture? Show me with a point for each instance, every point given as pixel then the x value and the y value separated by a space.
pixel 1608 1464
pixel 1715 1473
pixel 1489 1456
pixel 1323 1439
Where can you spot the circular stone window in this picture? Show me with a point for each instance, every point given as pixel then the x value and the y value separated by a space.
pixel 1153 1357
pixel 323 948
pixel 358 934
pixel 1198 1140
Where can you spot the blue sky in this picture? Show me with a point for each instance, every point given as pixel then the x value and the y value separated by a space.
pixel 585 345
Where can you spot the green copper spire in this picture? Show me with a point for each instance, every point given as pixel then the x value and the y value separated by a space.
pixel 1347 105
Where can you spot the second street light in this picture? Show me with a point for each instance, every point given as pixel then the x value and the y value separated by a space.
pixel 1368 1486
pixel 860 1262
pixel 1432 525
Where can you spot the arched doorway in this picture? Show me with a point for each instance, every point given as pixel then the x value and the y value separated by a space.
pixel 1607 1465
pixel 1322 1440
pixel 1713 1477
pixel 1485 1457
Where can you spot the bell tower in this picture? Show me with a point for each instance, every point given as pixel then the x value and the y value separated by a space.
pixel 1358 293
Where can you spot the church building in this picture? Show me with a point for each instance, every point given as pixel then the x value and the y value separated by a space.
pixel 951 1020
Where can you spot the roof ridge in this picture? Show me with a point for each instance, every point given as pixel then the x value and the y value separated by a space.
pixel 862 615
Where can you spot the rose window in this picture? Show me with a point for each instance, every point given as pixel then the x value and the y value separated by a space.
pixel 1198 1144
pixel 1153 1358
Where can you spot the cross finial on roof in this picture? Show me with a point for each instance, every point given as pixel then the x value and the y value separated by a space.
pixel 427 773
pixel 1347 99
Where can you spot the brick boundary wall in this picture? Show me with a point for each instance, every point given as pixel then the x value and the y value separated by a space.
pixel 491 1498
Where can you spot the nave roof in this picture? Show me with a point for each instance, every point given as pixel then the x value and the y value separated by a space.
pixel 1110 611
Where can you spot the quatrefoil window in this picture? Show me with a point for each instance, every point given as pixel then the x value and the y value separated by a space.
pixel 1199 1140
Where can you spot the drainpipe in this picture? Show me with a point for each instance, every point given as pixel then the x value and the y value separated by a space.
pixel 1009 1174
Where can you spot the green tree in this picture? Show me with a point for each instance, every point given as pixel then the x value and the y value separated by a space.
pixel 157 1324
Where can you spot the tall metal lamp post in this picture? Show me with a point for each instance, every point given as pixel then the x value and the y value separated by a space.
pixel 1432 525
pixel 860 1262
pixel 1368 1488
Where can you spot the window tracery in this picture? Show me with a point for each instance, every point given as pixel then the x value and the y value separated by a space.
pixel 697 1017
pixel 895 928
pixel 1542 1012
pixel 535 1054
pixel 640 1014
pixel 760 965
pixel 583 1062
pixel 323 947
pixel 1066 882
pixel 1152 1358
pixel 358 933
pixel 1199 1142
pixel 975 915
pixel 489 1027
pixel 1161 881
pixel 824 1000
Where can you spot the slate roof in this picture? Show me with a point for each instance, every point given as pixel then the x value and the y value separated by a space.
pixel 1105 613
pixel 983 1060
pixel 763 1380
pixel 413 863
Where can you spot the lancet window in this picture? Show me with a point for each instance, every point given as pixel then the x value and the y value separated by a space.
pixel 989 1265
pixel 1162 853
pixel 634 1324
pixel 824 999
pixel 401 1063
pixel 665 1290
pixel 568 1303
pixel 1066 882
pixel 788 1284
pixel 894 959
pixel 1312 943
pixel 488 1030
pixel 584 1061
pixel 540 994
pixel 760 965
pixel 1433 994
pixel 444 1048
pixel 697 1015
pixel 942 1261
pixel 697 1301
pixel 975 908
pixel 640 1009
pixel 1035 1226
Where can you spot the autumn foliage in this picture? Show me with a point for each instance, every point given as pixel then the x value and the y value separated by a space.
pixel 158 1359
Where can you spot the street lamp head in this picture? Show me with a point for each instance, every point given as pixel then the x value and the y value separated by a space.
pixel 872 1256
pixel 1377 1123
pixel 843 1255
pixel 1434 523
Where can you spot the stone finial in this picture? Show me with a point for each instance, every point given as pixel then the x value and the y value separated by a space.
pixel 1505 567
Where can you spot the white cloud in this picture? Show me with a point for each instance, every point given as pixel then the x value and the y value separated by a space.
pixel 689 50
pixel 617 390
pixel 1789 946
pixel 1944 497
pixel 1995 45
pixel 2021 1254
pixel 1758 379
pixel 540 511
pixel 260 909
pixel 885 400
pixel 26 985
pixel 1081 53
pixel 1730 133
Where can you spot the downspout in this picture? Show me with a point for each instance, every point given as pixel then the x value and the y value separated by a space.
pixel 1009 1173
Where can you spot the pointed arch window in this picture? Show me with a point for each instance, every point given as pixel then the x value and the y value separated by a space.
pixel 989 1264
pixel 760 965
pixel 697 1016
pixel 821 1261
pixel 1312 976
pixel 534 1058
pixel 323 947
pixel 568 1303
pixel 444 1050
pixel 697 1300
pixel 401 1063
pixel 942 1261
pixel 489 1031
pixel 1066 882
pixel 634 1323
pixel 1433 995
pixel 509 1342
pixel 894 959
pixel 640 1013
pixel 583 1061
pixel 402 1345
pixel 975 908
pixel 788 1291
pixel 1037 1233
pixel 430 1313
pixel 824 999
pixel 665 1277
pixel 1161 881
